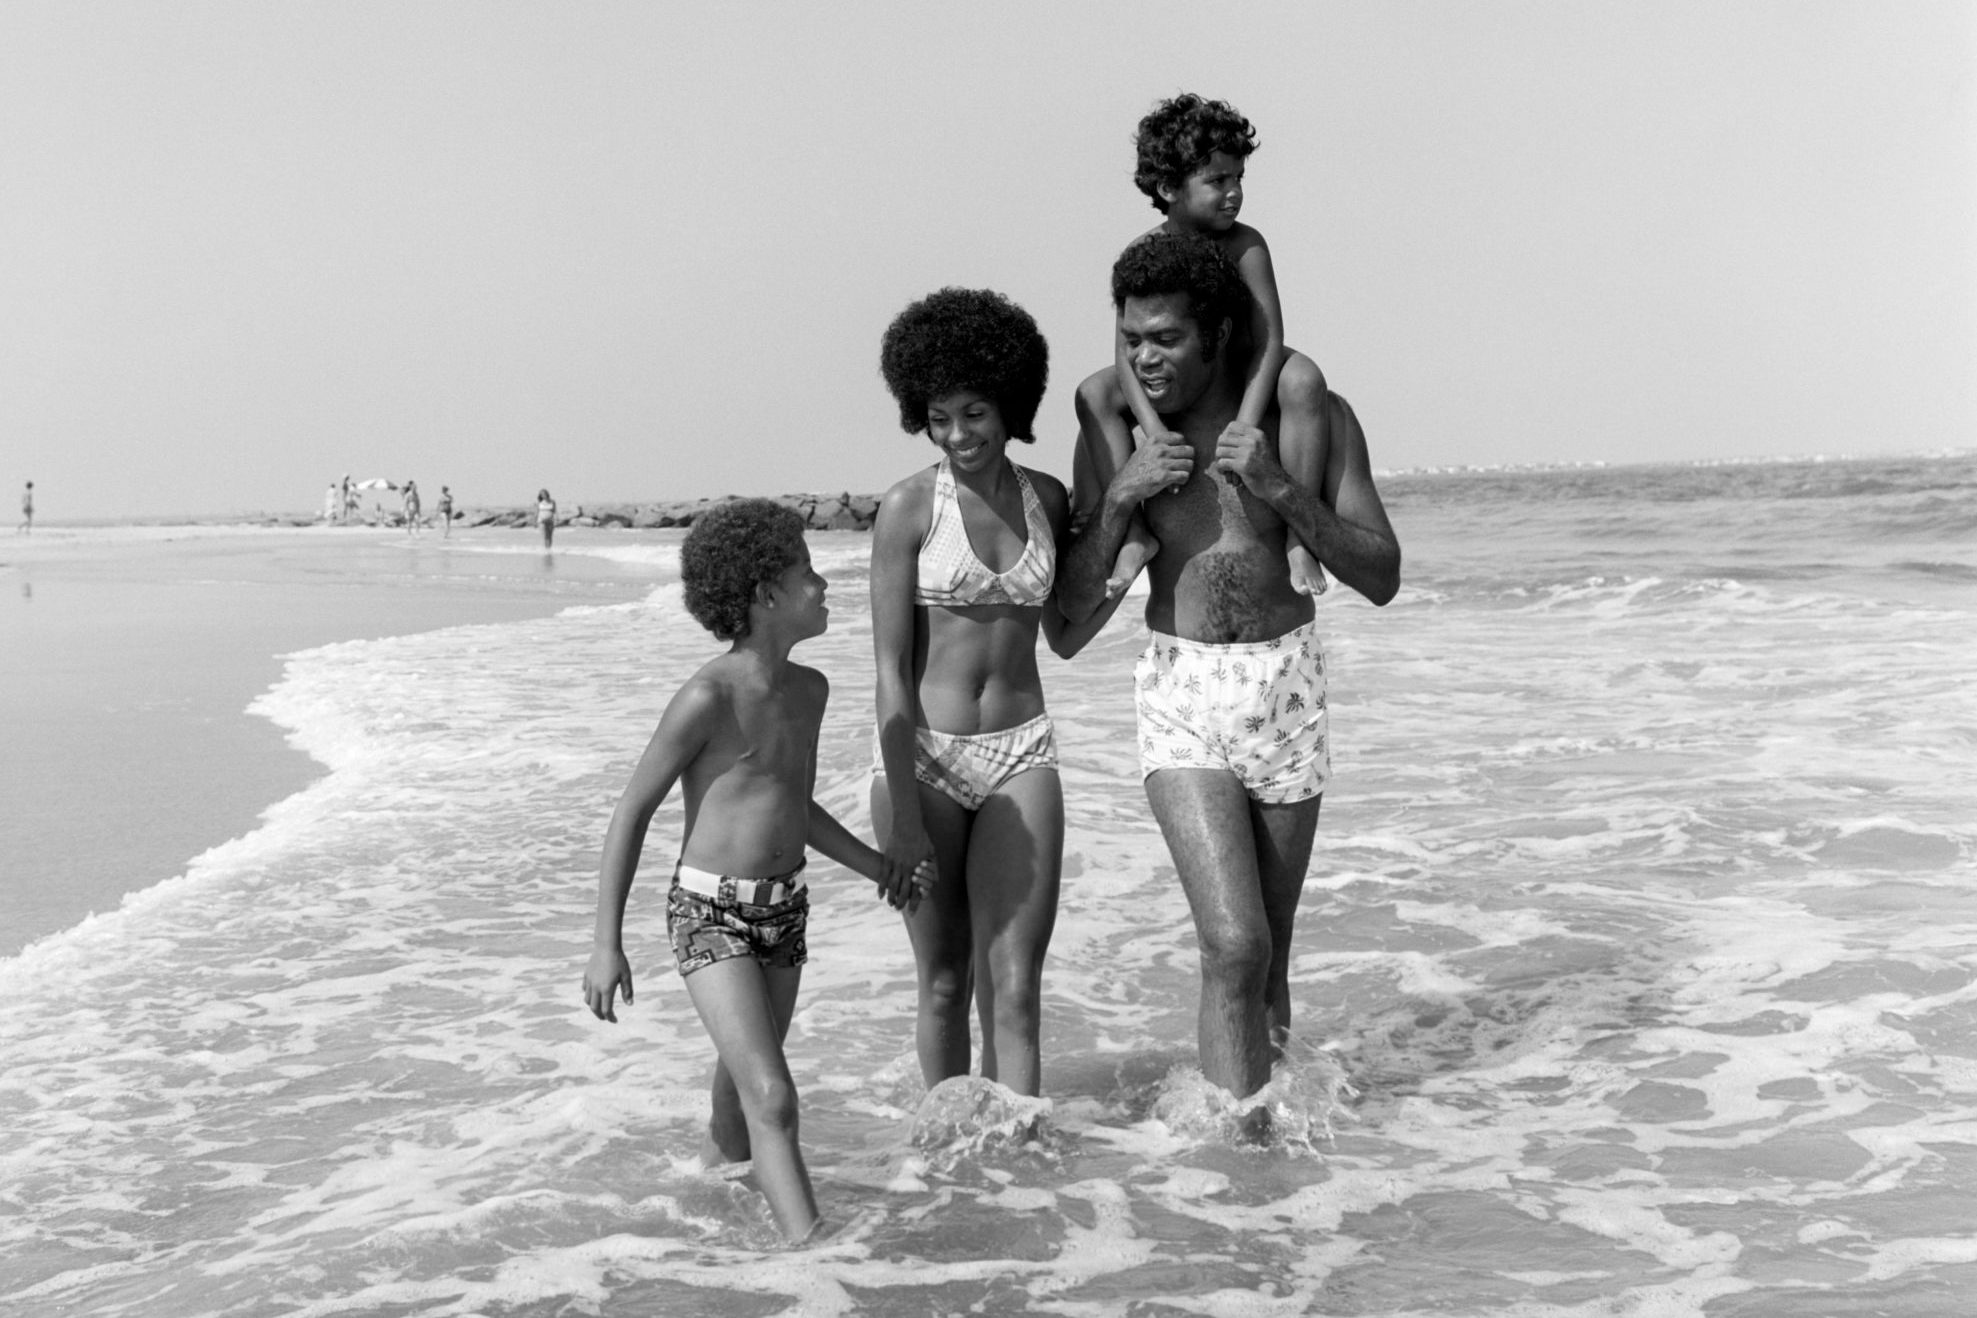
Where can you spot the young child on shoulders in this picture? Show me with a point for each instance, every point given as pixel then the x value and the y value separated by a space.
pixel 741 735
pixel 1192 154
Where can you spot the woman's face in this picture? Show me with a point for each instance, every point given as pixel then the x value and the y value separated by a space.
pixel 968 428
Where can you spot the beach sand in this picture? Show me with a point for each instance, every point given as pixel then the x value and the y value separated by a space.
pixel 129 656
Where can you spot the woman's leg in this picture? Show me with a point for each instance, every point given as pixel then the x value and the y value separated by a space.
pixel 746 1010
pixel 1015 859
pixel 942 943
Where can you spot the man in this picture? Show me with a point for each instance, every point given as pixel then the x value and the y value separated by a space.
pixel 1231 689
pixel 27 511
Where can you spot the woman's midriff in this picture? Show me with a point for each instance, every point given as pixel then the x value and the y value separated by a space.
pixel 977 669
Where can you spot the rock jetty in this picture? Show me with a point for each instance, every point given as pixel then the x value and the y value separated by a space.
pixel 820 512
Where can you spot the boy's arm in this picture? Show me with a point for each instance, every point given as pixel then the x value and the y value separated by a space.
pixel 682 734
pixel 1266 330
pixel 1129 384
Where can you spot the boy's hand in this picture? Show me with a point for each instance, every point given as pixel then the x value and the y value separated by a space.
pixel 609 971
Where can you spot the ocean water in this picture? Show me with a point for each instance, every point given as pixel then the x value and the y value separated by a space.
pixel 1636 973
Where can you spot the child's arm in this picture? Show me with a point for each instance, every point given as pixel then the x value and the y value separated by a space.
pixel 834 841
pixel 1266 330
pixel 1129 384
pixel 682 733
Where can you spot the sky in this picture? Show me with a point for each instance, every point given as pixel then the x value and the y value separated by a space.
pixel 646 251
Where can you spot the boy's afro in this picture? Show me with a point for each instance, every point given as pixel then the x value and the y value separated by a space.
pixel 733 548
pixel 966 339
pixel 1162 263
pixel 1178 137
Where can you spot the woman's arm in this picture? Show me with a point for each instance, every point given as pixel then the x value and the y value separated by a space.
pixel 1266 329
pixel 898 531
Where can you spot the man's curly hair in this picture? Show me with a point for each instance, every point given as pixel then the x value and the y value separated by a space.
pixel 1162 263
pixel 733 548
pixel 1179 135
pixel 966 339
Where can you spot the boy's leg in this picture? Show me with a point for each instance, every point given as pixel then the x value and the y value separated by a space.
pixel 1303 443
pixel 1105 441
pixel 1015 858
pixel 746 1010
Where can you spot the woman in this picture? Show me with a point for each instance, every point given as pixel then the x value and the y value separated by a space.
pixel 963 562
pixel 545 516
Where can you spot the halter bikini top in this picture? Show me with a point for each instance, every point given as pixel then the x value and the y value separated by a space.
pixel 951 576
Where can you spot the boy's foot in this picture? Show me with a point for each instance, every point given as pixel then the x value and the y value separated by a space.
pixel 1307 577
pixel 1134 555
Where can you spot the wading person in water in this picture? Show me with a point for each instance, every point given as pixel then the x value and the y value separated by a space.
pixel 1231 687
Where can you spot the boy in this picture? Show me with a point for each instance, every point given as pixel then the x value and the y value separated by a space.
pixel 742 735
pixel 1191 160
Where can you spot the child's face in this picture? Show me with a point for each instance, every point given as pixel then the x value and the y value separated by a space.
pixel 1210 198
pixel 799 596
pixel 968 427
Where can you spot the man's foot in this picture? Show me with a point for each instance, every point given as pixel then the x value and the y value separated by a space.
pixel 1307 577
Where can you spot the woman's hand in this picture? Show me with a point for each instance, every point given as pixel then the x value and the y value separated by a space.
pixel 910 867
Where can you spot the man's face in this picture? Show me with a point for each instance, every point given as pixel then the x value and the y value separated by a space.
pixel 1168 353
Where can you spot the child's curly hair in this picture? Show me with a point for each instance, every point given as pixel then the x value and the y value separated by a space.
pixel 1179 135
pixel 966 339
pixel 1162 263
pixel 733 548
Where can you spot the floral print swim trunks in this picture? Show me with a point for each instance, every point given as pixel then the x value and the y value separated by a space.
pixel 1255 709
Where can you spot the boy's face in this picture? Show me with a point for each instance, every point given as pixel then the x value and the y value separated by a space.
pixel 1209 199
pixel 798 593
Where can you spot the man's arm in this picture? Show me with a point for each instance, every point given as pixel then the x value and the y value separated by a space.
pixel 1344 524
pixel 1163 461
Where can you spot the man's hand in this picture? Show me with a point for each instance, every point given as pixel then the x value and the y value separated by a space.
pixel 1248 454
pixel 1163 461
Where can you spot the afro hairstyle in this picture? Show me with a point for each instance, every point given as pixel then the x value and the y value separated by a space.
pixel 1163 263
pixel 966 339
pixel 733 548
pixel 1177 137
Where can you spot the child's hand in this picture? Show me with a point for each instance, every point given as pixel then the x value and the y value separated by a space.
pixel 903 886
pixel 609 972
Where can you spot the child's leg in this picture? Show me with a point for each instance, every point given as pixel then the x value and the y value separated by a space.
pixel 746 1008
pixel 1303 441
pixel 1105 441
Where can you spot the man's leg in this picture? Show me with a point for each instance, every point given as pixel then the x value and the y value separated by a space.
pixel 1283 854
pixel 1205 815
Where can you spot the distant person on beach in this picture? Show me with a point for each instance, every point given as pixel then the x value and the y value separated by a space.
pixel 332 503
pixel 27 511
pixel 445 510
pixel 1231 687
pixel 1191 163
pixel 411 508
pixel 742 735
pixel 349 498
pixel 964 557
pixel 545 516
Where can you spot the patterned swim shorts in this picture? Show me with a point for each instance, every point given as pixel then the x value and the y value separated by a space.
pixel 1256 709
pixel 712 917
pixel 969 768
